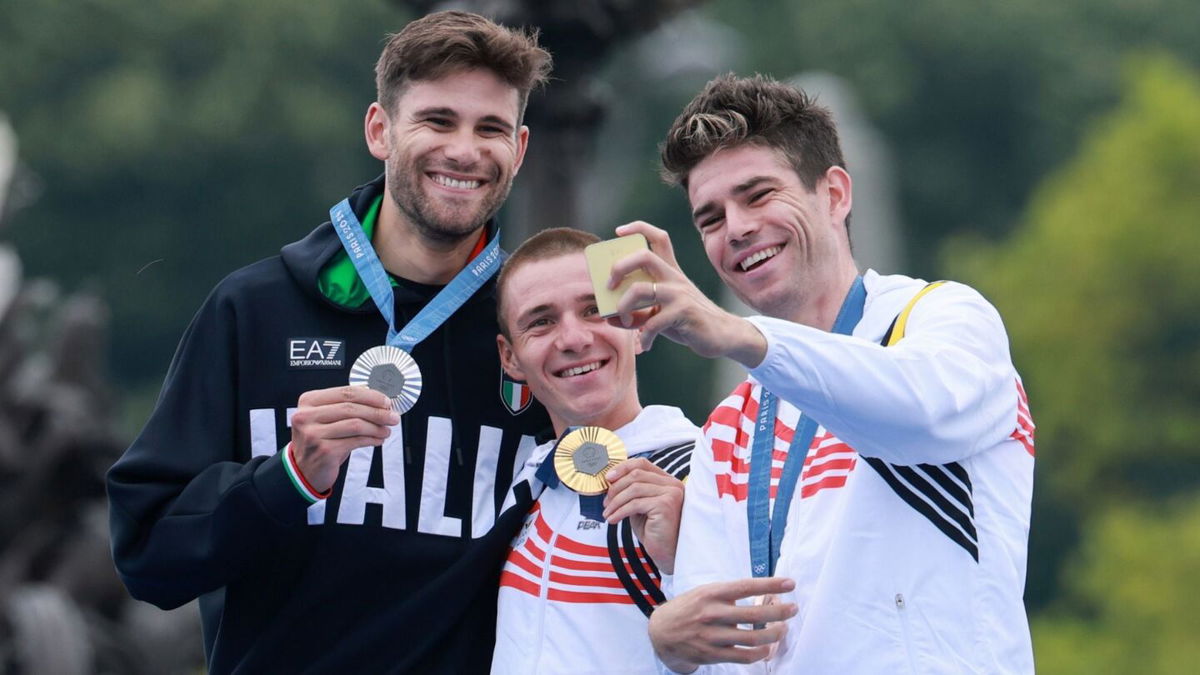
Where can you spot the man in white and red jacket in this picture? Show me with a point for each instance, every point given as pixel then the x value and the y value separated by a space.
pixel 882 422
pixel 576 592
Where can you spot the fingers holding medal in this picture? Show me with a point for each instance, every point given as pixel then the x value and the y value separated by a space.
pixel 390 371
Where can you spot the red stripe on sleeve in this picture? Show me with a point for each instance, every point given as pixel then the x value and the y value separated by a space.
pixel 518 582
pixel 543 528
pixel 579 548
pixel 828 482
pixel 589 598
pixel 519 560
pixel 841 463
pixel 536 550
pixel 586 582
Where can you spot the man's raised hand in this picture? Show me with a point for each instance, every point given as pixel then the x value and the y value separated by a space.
pixel 681 311
pixel 329 423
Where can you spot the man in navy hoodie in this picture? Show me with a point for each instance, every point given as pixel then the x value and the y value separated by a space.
pixel 372 541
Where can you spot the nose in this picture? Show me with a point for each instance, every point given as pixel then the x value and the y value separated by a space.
pixel 740 226
pixel 463 147
pixel 574 334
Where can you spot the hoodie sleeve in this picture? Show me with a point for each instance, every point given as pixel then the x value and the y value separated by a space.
pixel 944 392
pixel 185 516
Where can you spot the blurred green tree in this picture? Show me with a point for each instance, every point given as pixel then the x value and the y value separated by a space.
pixel 1129 600
pixel 1102 300
pixel 981 100
pixel 175 142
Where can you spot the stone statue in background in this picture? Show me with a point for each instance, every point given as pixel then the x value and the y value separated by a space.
pixel 62 609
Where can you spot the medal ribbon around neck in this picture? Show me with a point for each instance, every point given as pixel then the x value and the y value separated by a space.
pixel 767 525
pixel 400 342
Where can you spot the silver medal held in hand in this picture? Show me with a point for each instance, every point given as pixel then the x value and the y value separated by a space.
pixel 390 371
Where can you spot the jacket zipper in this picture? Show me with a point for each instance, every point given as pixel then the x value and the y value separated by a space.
pixel 902 613
pixel 545 590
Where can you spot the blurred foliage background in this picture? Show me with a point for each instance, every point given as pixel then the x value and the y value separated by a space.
pixel 1047 153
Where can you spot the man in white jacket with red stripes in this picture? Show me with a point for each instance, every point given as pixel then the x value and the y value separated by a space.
pixel 882 427
pixel 576 592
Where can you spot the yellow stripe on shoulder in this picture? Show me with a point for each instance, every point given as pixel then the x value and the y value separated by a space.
pixel 902 319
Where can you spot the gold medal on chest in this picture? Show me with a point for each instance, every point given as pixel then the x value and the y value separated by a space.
pixel 584 456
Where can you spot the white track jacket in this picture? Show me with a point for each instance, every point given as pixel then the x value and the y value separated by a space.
pixel 564 605
pixel 908 530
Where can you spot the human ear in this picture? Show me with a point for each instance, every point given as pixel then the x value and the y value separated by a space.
pixel 839 189
pixel 508 359
pixel 522 145
pixel 376 127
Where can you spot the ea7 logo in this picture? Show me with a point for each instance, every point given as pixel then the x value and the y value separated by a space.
pixel 315 353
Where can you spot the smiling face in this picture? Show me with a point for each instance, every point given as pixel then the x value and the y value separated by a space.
pixel 781 248
pixel 578 366
pixel 451 147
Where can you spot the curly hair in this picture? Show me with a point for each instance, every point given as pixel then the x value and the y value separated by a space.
pixel 758 110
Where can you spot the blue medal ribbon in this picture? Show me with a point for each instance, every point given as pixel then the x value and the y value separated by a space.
pixel 767 525
pixel 470 279
pixel 545 471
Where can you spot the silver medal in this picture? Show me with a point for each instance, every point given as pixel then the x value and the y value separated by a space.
pixel 391 371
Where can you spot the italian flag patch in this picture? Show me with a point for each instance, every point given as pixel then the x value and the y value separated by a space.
pixel 516 395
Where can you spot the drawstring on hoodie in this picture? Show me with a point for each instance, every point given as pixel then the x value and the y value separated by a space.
pixel 450 383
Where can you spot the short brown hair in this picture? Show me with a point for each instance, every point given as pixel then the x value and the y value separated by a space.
pixel 758 110
pixel 444 42
pixel 551 243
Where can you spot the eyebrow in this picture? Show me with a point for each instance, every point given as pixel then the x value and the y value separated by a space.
pixel 545 308
pixel 741 188
pixel 532 312
pixel 453 114
pixel 498 121
pixel 442 111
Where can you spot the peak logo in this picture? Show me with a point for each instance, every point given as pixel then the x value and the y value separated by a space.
pixel 315 353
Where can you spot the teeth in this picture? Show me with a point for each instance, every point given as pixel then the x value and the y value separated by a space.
pixel 579 370
pixel 455 183
pixel 760 256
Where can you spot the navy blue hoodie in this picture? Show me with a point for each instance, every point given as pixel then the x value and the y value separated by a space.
pixel 397 570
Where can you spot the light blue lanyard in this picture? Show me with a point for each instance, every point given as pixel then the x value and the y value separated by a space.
pixel 767 526
pixel 437 310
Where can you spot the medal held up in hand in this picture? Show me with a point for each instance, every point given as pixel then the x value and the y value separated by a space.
pixel 390 368
pixel 584 456
pixel 390 371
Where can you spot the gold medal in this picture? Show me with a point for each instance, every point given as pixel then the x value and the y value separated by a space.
pixel 584 456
